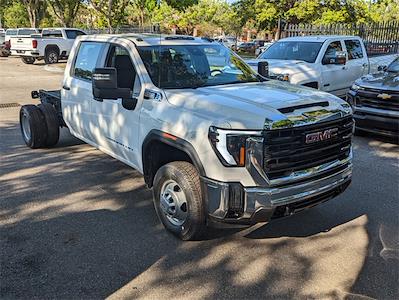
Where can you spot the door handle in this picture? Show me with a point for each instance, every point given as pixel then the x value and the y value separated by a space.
pixel 67 88
pixel 365 65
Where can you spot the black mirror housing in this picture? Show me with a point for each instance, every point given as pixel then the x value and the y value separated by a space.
pixel 263 68
pixel 105 85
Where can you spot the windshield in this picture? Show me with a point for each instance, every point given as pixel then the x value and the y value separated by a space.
pixel 306 51
pixel 394 66
pixel 193 66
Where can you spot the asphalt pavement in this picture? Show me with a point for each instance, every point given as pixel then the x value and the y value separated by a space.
pixel 75 223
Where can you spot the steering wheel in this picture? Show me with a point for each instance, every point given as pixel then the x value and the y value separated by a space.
pixel 216 72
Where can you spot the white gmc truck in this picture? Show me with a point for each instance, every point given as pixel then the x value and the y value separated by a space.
pixel 51 45
pixel 328 63
pixel 216 141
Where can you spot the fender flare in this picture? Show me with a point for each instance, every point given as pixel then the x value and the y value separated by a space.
pixel 171 140
pixel 52 46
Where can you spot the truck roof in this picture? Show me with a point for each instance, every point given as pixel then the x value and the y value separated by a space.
pixel 152 39
pixel 318 38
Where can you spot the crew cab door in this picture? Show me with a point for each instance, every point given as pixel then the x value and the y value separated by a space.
pixel 76 93
pixel 357 63
pixel 115 126
pixel 334 77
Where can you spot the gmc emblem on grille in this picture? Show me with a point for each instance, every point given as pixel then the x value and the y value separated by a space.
pixel 321 135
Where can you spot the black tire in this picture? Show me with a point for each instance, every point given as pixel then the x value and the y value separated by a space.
pixel 33 126
pixel 28 60
pixel 51 56
pixel 52 124
pixel 187 178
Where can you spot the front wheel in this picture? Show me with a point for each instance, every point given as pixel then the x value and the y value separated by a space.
pixel 28 60
pixel 178 200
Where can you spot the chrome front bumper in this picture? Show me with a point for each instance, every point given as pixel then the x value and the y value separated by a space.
pixel 261 204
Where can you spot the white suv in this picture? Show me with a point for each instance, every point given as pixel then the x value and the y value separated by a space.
pixel 215 140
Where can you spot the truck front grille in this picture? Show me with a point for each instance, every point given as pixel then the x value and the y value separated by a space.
pixel 369 98
pixel 286 150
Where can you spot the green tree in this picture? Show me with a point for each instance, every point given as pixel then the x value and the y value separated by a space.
pixel 36 10
pixel 15 15
pixel 143 8
pixel 180 5
pixel 65 10
pixel 113 11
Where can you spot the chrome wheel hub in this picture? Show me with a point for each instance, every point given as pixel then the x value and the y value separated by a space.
pixel 52 58
pixel 173 202
pixel 25 127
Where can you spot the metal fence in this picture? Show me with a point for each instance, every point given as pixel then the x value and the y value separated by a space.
pixel 379 38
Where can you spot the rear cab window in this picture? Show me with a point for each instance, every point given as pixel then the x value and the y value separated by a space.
pixel 72 34
pixel 86 60
pixel 26 31
pixel 51 33
pixel 354 49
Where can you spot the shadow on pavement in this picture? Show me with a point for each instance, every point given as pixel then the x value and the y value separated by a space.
pixel 78 224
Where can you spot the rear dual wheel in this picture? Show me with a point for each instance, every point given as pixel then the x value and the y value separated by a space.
pixel 39 125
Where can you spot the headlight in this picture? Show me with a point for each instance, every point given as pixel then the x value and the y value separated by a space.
pixel 283 77
pixel 230 145
pixel 356 87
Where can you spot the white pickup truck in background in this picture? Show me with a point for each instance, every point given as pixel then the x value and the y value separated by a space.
pixel 328 63
pixel 51 45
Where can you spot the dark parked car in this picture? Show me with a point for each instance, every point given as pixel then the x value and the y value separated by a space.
pixel 375 100
pixel 248 47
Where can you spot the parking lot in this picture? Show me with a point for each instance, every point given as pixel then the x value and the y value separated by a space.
pixel 75 223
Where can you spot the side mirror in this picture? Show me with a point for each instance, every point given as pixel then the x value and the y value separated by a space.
pixel 340 57
pixel 263 68
pixel 105 85
pixel 382 68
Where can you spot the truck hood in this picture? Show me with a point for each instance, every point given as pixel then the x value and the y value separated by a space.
pixel 250 105
pixel 279 66
pixel 386 81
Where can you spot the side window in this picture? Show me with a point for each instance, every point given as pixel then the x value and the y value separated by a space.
pixel 119 58
pixel 354 49
pixel 331 51
pixel 86 59
pixel 52 33
pixel 72 34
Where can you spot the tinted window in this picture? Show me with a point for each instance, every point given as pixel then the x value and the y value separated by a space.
pixel 72 34
pixel 118 57
pixel 331 51
pixel 52 33
pixel 354 49
pixel 394 66
pixel 306 51
pixel 26 31
pixel 193 66
pixel 86 59
pixel 11 32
